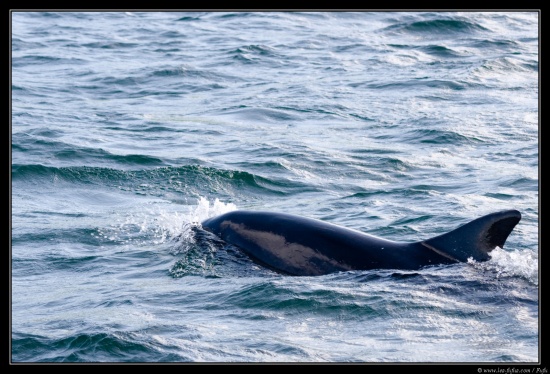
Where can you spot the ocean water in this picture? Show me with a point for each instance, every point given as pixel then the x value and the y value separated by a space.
pixel 130 128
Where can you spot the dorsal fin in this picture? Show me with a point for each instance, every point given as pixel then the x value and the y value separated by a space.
pixel 476 238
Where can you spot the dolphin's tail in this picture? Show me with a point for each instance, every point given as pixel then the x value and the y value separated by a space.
pixel 477 238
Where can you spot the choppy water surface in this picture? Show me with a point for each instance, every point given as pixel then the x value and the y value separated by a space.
pixel 129 129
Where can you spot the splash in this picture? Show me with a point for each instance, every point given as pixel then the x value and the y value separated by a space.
pixel 150 225
pixel 519 263
pixel 157 225
pixel 206 210
pixel 193 257
pixel 202 211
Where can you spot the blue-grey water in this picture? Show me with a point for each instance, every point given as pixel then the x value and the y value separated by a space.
pixel 130 128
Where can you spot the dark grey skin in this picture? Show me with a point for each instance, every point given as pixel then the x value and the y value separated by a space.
pixel 296 245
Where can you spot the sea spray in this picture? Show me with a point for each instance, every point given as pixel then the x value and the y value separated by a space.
pixel 519 263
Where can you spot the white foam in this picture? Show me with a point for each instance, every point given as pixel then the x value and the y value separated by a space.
pixel 199 213
pixel 206 210
pixel 520 263
pixel 156 224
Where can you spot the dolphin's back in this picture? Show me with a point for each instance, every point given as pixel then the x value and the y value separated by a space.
pixel 304 246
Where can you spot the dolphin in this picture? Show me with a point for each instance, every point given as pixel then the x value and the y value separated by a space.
pixel 296 245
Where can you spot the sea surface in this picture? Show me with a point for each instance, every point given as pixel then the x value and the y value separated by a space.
pixel 130 128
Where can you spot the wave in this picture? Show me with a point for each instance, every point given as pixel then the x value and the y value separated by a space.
pixel 431 49
pixel 189 72
pixel 418 83
pixel 190 18
pixel 263 115
pixel 273 295
pixel 109 45
pixel 503 66
pixel 441 137
pixel 497 44
pixel 436 27
pixel 157 181
pixel 31 60
pixel 93 347
pixel 39 142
